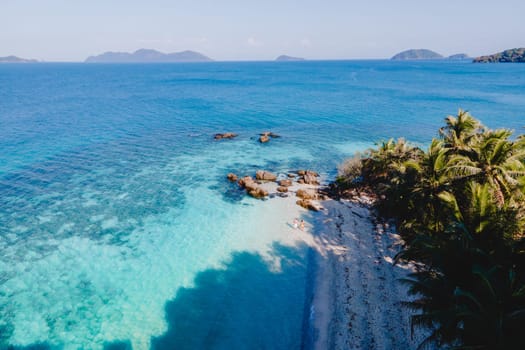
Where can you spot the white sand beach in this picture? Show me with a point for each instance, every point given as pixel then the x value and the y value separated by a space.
pixel 357 290
pixel 357 293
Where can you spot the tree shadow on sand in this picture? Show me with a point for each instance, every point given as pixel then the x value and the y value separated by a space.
pixel 250 304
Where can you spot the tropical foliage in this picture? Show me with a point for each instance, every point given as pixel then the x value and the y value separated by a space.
pixel 460 208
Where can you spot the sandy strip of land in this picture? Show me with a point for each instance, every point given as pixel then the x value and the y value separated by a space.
pixel 357 292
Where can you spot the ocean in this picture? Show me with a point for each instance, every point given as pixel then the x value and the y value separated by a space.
pixel 118 228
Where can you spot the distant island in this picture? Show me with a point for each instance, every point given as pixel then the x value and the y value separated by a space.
pixel 417 54
pixel 148 56
pixel 507 56
pixel 289 58
pixel 15 59
pixel 459 56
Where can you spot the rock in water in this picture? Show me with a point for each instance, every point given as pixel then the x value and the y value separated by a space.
pixel 250 186
pixel 227 135
pixel 265 136
pixel 264 139
pixel 232 177
pixel 243 181
pixel 282 189
pixel 265 175
pixel 258 193
pixel 310 179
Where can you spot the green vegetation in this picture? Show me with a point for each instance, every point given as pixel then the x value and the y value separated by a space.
pixel 512 55
pixel 459 207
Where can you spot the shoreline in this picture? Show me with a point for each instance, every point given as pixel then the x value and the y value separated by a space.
pixel 356 292
pixel 353 292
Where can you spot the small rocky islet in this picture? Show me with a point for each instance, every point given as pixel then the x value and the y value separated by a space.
pixel 301 183
pixel 226 135
pixel 264 137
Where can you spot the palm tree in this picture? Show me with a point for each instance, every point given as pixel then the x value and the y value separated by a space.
pixel 495 160
pixel 485 310
pixel 460 208
pixel 460 131
pixel 384 170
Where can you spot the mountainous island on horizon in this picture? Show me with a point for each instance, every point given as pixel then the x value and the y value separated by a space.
pixel 425 54
pixel 148 56
pixel 459 56
pixel 289 58
pixel 15 59
pixel 508 56
pixel 516 55
pixel 417 54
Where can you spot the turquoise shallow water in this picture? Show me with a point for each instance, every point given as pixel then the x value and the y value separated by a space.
pixel 117 229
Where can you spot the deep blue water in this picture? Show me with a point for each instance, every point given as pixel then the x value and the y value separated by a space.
pixel 116 225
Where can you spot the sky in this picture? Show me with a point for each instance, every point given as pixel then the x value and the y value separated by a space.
pixel 71 30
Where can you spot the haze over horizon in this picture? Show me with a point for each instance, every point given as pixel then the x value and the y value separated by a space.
pixel 58 30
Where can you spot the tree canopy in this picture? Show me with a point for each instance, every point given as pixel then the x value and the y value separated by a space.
pixel 460 208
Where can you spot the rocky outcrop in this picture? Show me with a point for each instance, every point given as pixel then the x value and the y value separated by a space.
pixel 247 182
pixel 227 135
pixel 252 187
pixel 232 177
pixel 308 204
pixel 265 136
pixel 507 56
pixel 255 188
pixel 265 175
pixel 306 194
pixel 258 193
pixel 264 139
pixel 285 183
pixel 243 180
pixel 308 177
